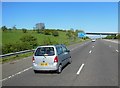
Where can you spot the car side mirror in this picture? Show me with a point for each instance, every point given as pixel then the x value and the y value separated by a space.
pixel 68 50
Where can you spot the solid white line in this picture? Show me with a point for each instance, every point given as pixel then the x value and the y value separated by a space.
pixel 90 51
pixel 16 74
pixel 80 69
pixel 117 51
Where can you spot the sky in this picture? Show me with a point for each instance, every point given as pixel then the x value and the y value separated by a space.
pixel 87 16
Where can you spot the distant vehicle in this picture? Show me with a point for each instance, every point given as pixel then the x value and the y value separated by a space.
pixel 51 58
pixel 93 40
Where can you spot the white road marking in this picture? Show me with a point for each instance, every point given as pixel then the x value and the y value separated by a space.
pixel 80 69
pixel 93 46
pixel 16 74
pixel 90 51
pixel 117 51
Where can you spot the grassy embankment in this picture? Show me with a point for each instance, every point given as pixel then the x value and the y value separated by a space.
pixel 15 35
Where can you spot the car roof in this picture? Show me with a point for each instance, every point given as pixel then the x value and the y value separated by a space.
pixel 51 45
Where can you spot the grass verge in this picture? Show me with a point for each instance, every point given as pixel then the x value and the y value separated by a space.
pixel 15 57
pixel 21 56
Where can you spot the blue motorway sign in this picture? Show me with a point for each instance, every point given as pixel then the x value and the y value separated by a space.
pixel 81 34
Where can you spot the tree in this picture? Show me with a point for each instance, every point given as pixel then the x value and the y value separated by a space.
pixel 39 27
pixel 14 27
pixel 10 29
pixel 71 34
pixel 110 37
pixel 118 36
pixel 4 28
pixel 24 30
pixel 72 29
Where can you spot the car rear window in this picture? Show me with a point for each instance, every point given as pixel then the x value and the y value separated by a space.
pixel 45 51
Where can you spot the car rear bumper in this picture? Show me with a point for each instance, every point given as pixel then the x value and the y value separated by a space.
pixel 45 68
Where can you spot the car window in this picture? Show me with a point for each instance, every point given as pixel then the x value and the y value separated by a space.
pixel 59 50
pixel 64 49
pixel 42 51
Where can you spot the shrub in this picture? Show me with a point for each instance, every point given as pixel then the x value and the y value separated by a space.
pixel 6 48
pixel 55 42
pixel 21 46
pixel 47 32
pixel 55 33
pixel 29 39
pixel 47 41
pixel 24 30
pixel 15 47
pixel 27 42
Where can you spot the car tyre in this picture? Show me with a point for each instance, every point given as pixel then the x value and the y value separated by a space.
pixel 70 60
pixel 35 71
pixel 59 69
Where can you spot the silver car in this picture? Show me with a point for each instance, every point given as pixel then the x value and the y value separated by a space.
pixel 51 58
pixel 93 40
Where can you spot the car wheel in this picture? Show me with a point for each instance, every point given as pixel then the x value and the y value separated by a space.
pixel 35 71
pixel 70 60
pixel 59 69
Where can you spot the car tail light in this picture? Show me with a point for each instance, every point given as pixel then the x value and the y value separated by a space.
pixel 56 59
pixel 33 60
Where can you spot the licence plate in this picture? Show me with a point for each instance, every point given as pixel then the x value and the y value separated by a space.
pixel 43 64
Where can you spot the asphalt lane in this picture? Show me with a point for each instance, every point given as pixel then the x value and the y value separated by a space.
pixel 112 44
pixel 14 67
pixel 100 69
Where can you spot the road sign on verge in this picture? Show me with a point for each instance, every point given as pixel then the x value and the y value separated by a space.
pixel 81 34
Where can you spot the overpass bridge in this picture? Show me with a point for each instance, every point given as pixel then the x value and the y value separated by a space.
pixel 102 33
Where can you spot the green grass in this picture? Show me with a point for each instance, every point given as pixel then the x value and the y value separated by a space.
pixel 15 35
pixel 21 56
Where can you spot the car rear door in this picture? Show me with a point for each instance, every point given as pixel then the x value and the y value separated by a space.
pixel 61 55
pixel 44 56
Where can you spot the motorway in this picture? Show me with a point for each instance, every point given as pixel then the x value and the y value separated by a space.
pixel 93 64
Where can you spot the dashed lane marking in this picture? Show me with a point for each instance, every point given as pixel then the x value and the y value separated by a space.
pixel 117 51
pixel 90 51
pixel 78 72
